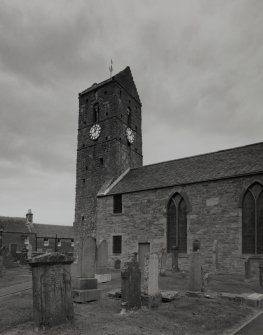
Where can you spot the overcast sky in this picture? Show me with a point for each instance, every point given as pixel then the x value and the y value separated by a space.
pixel 198 67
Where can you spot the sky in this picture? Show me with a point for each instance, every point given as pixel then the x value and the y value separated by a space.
pixel 197 65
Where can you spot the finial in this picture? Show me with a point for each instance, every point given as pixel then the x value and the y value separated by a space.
pixel 111 68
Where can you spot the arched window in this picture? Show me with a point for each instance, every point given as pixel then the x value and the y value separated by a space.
pixel 252 220
pixel 96 113
pixel 177 223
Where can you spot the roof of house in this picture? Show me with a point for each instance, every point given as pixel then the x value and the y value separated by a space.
pixel 13 224
pixel 212 166
pixel 48 230
pixel 124 78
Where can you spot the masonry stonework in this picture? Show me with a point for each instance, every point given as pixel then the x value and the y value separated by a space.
pixel 144 220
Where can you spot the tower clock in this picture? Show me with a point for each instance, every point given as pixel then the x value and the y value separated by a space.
pixel 109 142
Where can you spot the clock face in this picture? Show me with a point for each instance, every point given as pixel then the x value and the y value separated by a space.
pixel 94 132
pixel 130 135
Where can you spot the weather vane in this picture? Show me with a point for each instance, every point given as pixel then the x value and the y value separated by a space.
pixel 111 68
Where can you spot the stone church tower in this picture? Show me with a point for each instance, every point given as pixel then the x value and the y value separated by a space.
pixel 109 143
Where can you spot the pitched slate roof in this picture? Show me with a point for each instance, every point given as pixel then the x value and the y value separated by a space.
pixel 13 224
pixel 124 78
pixel 48 230
pixel 212 166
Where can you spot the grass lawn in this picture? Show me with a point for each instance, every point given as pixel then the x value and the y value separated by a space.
pixel 185 315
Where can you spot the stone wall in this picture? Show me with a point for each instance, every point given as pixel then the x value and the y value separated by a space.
pixel 214 214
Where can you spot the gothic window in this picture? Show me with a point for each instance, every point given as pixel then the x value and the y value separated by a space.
pixel 96 113
pixel 116 245
pixel 252 220
pixel 117 203
pixel 177 223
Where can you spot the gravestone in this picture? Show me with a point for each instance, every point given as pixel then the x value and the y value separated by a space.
pixel 117 264
pixel 175 251
pixel 102 270
pixel 195 280
pixel 215 255
pixel 52 300
pixel 84 283
pixel 163 260
pixel 150 280
pixel 131 284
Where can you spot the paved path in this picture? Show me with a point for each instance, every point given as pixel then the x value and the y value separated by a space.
pixel 255 327
pixel 15 289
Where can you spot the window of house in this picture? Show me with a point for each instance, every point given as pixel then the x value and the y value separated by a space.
pixel 117 203
pixel 116 245
pixel 177 223
pixel 46 242
pixel 252 220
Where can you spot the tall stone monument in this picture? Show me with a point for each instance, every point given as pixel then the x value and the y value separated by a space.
pixel 84 283
pixel 103 274
pixel 52 298
pixel 150 280
pixel 131 284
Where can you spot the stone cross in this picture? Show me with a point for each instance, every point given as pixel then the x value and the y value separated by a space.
pixel 52 300
pixel 131 284
pixel 150 282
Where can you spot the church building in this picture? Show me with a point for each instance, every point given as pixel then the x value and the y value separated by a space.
pixel 210 197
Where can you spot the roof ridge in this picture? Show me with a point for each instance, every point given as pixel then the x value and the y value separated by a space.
pixel 53 225
pixel 13 217
pixel 199 155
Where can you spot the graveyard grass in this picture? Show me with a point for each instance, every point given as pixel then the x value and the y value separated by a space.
pixel 185 315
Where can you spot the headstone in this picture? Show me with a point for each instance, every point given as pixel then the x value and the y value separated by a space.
pixel 84 283
pixel 52 300
pixel 215 255
pixel 117 264
pixel 175 267
pixel 131 284
pixel 150 282
pixel 195 281
pixel 103 274
pixel 163 260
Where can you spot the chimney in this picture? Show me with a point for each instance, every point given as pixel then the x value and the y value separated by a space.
pixel 29 216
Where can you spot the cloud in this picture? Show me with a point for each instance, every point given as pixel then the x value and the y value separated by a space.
pixel 197 66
